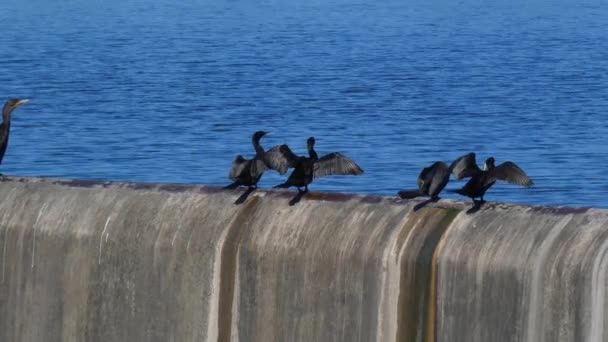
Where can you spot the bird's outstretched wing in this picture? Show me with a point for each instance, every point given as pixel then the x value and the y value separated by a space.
pixel 238 166
pixel 511 173
pixel 434 175
pixel 465 166
pixel 257 168
pixel 279 158
pixel 335 164
pixel 287 153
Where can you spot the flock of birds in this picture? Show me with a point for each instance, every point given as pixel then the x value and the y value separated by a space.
pixel 431 181
pixel 247 172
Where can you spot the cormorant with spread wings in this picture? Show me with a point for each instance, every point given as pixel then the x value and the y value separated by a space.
pixel 247 172
pixel 308 168
pixel 482 179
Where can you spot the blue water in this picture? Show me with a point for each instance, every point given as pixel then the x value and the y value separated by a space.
pixel 171 91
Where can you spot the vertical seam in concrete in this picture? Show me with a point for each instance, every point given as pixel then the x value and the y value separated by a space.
pixel 431 319
pixel 537 282
pixel 386 310
pixel 228 267
pixel 425 325
pixel 598 281
pixel 213 316
pixel 402 331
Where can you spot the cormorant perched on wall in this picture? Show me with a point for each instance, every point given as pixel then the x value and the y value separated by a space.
pixel 431 181
pixel 482 180
pixel 308 168
pixel 5 127
pixel 247 172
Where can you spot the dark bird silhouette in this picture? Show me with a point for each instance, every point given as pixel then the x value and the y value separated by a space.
pixel 247 172
pixel 482 179
pixel 308 168
pixel 5 127
pixel 431 182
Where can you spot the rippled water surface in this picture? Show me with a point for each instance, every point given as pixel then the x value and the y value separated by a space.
pixel 171 91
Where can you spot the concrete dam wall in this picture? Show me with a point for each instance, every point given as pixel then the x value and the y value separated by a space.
pixel 94 261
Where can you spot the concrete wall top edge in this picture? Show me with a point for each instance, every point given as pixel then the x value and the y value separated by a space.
pixel 323 196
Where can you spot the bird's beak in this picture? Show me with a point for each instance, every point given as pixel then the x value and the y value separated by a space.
pixel 20 102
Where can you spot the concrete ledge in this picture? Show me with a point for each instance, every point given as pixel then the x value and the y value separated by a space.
pixel 103 261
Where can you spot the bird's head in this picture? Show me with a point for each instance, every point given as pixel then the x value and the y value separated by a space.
pixel 13 103
pixel 310 142
pixel 258 135
pixel 489 164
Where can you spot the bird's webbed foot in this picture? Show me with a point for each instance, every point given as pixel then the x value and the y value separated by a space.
pixel 476 206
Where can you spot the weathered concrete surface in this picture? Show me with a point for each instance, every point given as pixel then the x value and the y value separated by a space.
pixel 92 261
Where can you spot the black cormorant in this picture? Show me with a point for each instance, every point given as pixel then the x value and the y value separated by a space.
pixel 482 179
pixel 431 181
pixel 308 168
pixel 247 172
pixel 5 127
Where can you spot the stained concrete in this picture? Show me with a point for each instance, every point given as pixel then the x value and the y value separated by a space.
pixel 103 261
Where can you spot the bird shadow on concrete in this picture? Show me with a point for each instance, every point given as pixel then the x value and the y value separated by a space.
pixel 297 198
pixel 244 196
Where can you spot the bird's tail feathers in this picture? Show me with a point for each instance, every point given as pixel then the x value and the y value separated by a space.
pixel 409 194
pixel 232 186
